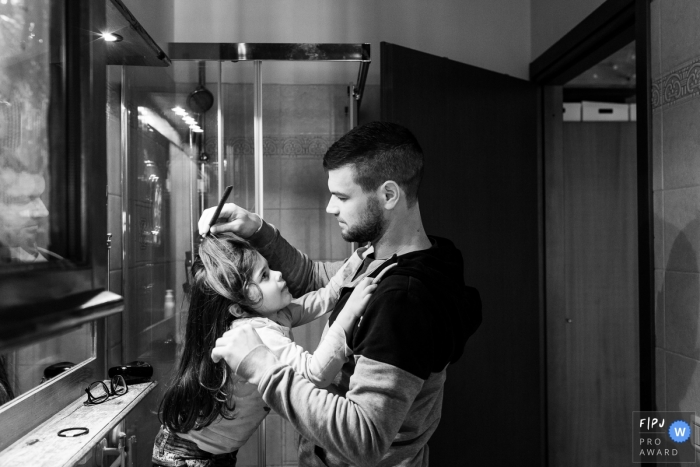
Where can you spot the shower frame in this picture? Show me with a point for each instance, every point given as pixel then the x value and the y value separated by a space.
pixel 261 52
pixel 258 53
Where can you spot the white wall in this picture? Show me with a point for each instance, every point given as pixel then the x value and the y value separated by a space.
pixel 499 35
pixel 156 17
pixel 552 19
pixel 492 34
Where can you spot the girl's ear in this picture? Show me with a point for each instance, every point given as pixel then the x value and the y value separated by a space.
pixel 252 293
pixel 237 311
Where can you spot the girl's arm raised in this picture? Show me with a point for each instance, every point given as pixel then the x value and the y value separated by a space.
pixel 320 367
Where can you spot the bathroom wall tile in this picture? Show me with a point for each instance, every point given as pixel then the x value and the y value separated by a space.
pixel 114 159
pixel 681 230
pixel 340 249
pixel 307 231
pixel 658 199
pixel 660 307
pixel 655 39
pixel 272 109
pixel 141 248
pixel 115 281
pixel 682 298
pixel 340 112
pixel 273 439
pixel 657 147
pixel 304 183
pixel 141 299
pixel 660 379
pixel 248 454
pixel 680 35
pixel 114 356
pixel 683 383
pixel 681 144
pixel 272 216
pixel 244 181
pixel 305 110
pixel 238 110
pixel 114 226
pixel 113 329
pixel 291 445
pixel 272 188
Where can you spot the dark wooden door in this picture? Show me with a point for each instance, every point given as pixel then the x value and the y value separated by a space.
pixel 592 293
pixel 478 130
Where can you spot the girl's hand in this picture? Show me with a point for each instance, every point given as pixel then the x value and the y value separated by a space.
pixel 357 303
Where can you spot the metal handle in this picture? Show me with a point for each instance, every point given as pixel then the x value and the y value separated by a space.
pixel 109 258
pixel 258 139
pixel 101 450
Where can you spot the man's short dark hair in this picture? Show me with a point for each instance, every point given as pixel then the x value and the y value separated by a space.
pixel 379 151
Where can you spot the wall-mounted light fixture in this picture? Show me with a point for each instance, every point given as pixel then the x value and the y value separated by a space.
pixel 111 37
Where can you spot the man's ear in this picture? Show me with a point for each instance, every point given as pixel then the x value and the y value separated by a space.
pixel 390 194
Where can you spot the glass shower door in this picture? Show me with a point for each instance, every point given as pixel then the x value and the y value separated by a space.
pixel 300 120
pixel 266 133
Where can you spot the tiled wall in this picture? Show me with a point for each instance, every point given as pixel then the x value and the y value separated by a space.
pixel 676 184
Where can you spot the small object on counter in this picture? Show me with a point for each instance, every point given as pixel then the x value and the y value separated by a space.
pixel 83 431
pixel 133 372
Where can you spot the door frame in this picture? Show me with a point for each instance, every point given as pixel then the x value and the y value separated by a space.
pixel 611 26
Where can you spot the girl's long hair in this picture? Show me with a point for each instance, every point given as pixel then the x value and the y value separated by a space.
pixel 201 390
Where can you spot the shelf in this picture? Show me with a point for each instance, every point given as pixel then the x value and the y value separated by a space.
pixel 44 448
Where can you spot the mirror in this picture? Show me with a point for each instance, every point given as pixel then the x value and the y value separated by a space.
pixel 26 79
pixel 30 207
pixel 26 368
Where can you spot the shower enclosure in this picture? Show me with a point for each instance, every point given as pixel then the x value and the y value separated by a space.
pixel 245 115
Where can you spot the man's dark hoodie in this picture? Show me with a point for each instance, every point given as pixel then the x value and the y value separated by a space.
pixel 388 401
pixel 421 315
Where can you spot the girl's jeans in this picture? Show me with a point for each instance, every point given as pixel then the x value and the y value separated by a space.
pixel 169 450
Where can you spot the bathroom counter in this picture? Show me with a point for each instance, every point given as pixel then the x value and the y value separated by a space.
pixel 43 446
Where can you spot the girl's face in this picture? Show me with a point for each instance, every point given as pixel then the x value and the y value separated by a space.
pixel 275 294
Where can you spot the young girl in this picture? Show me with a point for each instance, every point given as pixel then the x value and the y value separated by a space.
pixel 207 413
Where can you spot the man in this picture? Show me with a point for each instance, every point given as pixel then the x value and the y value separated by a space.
pixel 388 399
pixel 23 217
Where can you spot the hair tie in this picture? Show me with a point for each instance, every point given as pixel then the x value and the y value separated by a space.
pixel 81 433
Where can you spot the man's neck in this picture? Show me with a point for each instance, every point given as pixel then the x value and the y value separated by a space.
pixel 402 236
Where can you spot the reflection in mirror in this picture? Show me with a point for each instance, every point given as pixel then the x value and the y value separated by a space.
pixel 28 367
pixel 25 91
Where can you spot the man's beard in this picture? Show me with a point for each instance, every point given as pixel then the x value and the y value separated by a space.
pixel 371 225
